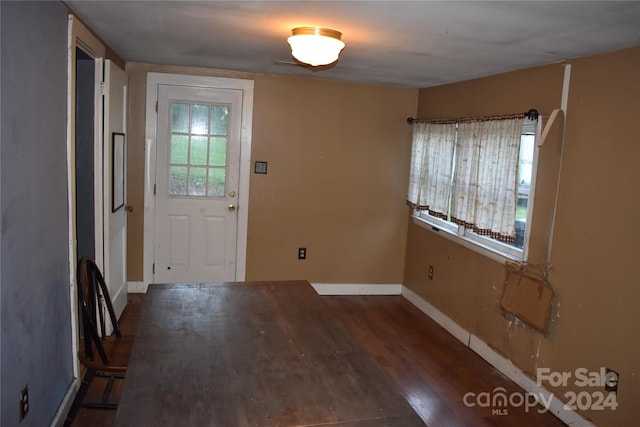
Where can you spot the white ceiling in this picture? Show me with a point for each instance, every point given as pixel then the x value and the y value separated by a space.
pixel 404 43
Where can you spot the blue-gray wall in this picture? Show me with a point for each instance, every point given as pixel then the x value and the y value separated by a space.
pixel 34 266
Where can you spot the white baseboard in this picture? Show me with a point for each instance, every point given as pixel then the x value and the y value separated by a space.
pixel 137 287
pixel 356 289
pixel 515 374
pixel 502 364
pixel 65 406
pixel 436 315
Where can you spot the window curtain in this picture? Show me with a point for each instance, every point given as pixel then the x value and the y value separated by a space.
pixel 485 187
pixel 431 168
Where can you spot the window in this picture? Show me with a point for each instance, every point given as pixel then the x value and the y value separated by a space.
pixel 198 149
pixel 472 180
pixel 525 173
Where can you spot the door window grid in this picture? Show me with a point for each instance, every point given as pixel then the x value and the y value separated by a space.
pixel 198 149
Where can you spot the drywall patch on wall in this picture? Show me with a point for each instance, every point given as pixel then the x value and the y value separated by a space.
pixel 528 298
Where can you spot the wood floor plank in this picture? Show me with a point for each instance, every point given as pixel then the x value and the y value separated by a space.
pixel 443 369
pixel 261 354
pixel 430 368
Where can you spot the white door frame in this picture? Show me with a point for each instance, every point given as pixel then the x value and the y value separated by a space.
pixel 153 80
pixel 78 36
pixel 115 101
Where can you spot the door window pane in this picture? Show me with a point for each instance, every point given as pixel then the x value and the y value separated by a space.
pixel 199 150
pixel 197 181
pixel 219 119
pixel 216 182
pixel 200 119
pixel 180 118
pixel 178 180
pixel 218 151
pixel 179 149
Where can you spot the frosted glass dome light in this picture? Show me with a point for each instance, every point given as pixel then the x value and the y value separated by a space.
pixel 315 46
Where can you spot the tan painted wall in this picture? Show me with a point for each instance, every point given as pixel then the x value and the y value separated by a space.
pixel 594 260
pixel 338 155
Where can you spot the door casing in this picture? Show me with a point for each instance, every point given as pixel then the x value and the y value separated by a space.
pixel 79 37
pixel 153 81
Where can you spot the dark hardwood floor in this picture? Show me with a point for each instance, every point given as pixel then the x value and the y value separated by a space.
pixel 431 368
pixel 105 417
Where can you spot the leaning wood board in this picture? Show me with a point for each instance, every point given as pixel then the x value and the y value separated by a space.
pixel 252 354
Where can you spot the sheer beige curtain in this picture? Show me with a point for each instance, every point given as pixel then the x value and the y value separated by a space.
pixel 485 187
pixel 431 168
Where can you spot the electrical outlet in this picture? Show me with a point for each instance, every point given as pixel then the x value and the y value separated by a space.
pixel 302 253
pixel 24 402
pixel 431 272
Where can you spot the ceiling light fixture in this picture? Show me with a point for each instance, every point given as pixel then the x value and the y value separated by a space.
pixel 315 46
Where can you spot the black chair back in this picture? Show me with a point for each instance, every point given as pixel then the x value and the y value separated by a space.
pixel 93 296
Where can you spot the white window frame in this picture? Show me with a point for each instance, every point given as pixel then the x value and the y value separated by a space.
pixel 485 245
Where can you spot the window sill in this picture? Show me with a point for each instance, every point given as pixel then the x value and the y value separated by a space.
pixel 467 243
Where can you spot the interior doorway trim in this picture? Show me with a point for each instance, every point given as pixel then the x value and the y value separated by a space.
pixel 78 36
pixel 153 81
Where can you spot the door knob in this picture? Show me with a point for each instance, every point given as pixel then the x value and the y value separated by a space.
pixel 232 208
pixel 128 208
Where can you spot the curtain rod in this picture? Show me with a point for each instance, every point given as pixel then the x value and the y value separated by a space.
pixel 532 114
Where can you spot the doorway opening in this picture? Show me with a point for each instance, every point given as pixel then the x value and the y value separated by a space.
pixel 84 151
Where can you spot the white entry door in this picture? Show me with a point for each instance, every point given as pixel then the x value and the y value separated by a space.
pixel 197 176
pixel 115 184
